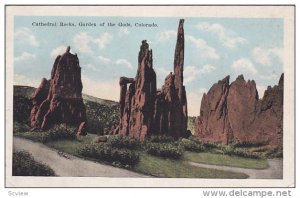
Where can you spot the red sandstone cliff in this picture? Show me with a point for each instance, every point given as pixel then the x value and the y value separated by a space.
pixel 234 113
pixel 59 100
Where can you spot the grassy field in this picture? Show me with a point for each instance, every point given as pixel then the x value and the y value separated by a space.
pixel 161 167
pixel 225 160
pixel 155 166
pixel 70 146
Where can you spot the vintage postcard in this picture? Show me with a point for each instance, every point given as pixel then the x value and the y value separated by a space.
pixel 150 96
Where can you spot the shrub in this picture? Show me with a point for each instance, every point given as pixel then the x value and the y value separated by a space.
pixel 242 152
pixel 123 142
pixel 101 115
pixel 190 145
pixel 164 150
pixel 104 152
pixel 237 143
pixel 161 139
pixel 227 149
pixel 210 145
pixel 20 127
pixel 58 132
pixel 25 165
pixel 21 109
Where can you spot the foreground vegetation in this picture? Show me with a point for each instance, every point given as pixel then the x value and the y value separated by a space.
pixel 226 160
pixel 159 156
pixel 25 165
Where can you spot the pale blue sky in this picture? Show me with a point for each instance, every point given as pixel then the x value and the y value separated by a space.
pixel 214 48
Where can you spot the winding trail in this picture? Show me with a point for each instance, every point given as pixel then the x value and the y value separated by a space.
pixel 67 165
pixel 70 166
pixel 273 172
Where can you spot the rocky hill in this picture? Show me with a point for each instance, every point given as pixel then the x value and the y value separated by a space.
pixel 234 113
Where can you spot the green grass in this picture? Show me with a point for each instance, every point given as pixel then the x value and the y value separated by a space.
pixel 162 167
pixel 70 146
pixel 225 160
pixel 155 166
pixel 34 136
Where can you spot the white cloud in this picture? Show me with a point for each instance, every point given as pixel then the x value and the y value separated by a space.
pixel 26 35
pixel 58 51
pixel 102 89
pixel 265 56
pixel 123 31
pixel 103 40
pixel 206 69
pixel 194 101
pixel 24 57
pixel 124 62
pixel 24 80
pixel 90 66
pixel 206 50
pixel 166 35
pixel 261 90
pixel 268 77
pixel 191 72
pixel 161 71
pixel 244 65
pixel 82 42
pixel 104 59
pixel 228 38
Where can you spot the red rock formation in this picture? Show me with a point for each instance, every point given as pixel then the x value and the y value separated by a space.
pixel 242 108
pixel 39 96
pixel 147 111
pixel 213 125
pixel 64 103
pixel 234 113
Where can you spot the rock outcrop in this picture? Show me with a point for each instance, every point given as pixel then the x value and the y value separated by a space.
pixel 59 100
pixel 233 112
pixel 171 104
pixel 144 110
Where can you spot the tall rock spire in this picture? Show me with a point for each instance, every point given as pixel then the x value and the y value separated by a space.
pixel 179 59
pixel 146 111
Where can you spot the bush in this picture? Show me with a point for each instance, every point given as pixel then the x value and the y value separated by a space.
pixel 246 153
pixel 165 150
pixel 104 152
pixel 58 132
pixel 241 152
pixel 21 109
pixel 227 149
pixel 25 165
pixel 101 115
pixel 190 145
pixel 123 142
pixel 161 139
pixel 237 143
pixel 20 127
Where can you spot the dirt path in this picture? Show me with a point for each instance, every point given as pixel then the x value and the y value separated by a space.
pixel 68 166
pixel 273 172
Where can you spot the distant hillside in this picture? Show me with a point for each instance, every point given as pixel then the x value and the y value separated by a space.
pixel 101 113
pixel 24 91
